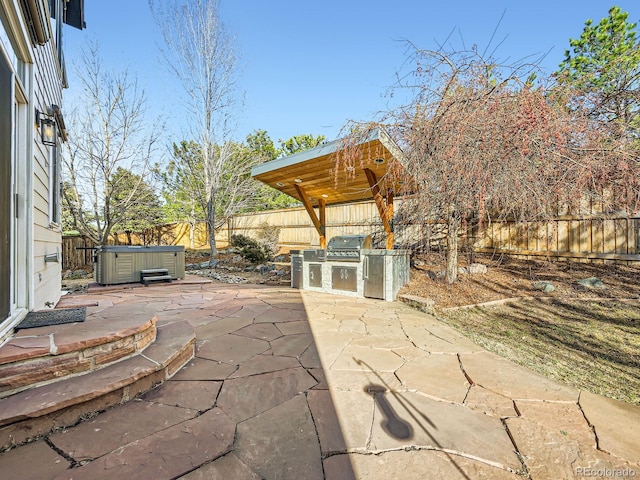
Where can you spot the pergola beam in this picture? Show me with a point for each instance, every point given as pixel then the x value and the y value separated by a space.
pixel 385 206
pixel 318 223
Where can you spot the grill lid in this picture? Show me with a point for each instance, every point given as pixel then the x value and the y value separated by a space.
pixel 349 243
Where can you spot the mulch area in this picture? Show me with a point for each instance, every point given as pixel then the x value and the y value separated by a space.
pixel 514 277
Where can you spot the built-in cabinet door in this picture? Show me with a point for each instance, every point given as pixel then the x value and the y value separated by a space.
pixel 344 278
pixel 373 273
pixel 315 275
pixel 296 271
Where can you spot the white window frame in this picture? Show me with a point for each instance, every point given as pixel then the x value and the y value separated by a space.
pixel 54 188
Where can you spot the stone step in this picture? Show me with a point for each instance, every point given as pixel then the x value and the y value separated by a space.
pixel 37 411
pixel 154 271
pixel 38 356
pixel 156 278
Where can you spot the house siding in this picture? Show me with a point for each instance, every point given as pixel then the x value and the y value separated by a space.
pixel 47 237
pixel 41 83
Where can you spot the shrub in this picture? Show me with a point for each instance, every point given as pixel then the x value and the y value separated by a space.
pixel 268 237
pixel 241 241
pixel 249 249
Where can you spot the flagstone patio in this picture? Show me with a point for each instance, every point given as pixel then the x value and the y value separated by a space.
pixel 289 384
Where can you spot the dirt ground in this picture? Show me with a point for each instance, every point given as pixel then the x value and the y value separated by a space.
pixel 513 277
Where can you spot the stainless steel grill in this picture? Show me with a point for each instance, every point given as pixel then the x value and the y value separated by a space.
pixel 347 248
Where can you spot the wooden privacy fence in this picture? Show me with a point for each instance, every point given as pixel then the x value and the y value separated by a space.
pixel 77 252
pixel 569 236
pixel 584 237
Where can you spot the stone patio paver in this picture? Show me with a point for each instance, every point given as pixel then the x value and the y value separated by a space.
pixel 436 375
pixel 264 364
pixel 262 331
pixel 617 425
pixel 192 394
pixel 218 327
pixel 231 348
pixel 203 369
pixel 282 443
pixel 501 376
pixel 419 465
pixel 439 340
pixel 326 421
pixel 292 345
pixel 224 468
pixel 409 418
pixel 367 358
pixel 34 461
pixel 555 441
pixel 489 403
pixel 246 397
pixel 163 454
pixel 116 427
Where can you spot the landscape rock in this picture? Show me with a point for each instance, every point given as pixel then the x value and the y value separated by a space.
pixel 591 282
pixel 209 264
pixel 74 275
pixel 476 268
pixel 544 286
pixel 419 303
pixel 221 277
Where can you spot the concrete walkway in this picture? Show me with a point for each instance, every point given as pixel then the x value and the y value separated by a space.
pixel 298 385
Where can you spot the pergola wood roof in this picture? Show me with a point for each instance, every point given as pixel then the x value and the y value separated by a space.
pixel 340 172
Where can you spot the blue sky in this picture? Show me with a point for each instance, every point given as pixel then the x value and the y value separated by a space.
pixel 309 67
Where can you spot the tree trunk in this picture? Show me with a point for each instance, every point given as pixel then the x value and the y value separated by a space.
pixel 452 249
pixel 211 227
pixel 192 228
pixel 192 235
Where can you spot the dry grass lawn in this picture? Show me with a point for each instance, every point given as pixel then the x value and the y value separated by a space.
pixel 585 337
pixel 591 345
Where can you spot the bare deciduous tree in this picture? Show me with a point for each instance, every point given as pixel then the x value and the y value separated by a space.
pixel 200 52
pixel 482 142
pixel 108 133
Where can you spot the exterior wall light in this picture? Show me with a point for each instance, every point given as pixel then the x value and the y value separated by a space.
pixel 47 129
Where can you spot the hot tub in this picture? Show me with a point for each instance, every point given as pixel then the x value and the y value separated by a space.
pixel 115 264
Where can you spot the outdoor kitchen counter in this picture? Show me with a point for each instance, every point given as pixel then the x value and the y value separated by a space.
pixel 378 274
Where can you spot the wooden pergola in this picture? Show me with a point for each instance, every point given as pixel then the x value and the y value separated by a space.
pixel 338 172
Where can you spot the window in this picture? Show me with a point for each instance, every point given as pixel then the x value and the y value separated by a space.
pixel 54 186
pixel 56 11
